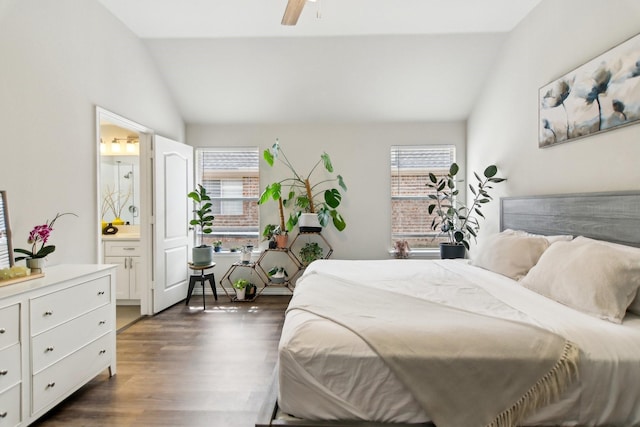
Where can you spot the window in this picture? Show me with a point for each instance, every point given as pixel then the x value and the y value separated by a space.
pixel 231 178
pixel 410 167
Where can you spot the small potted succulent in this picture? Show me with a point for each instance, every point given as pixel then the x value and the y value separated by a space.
pixel 452 218
pixel 310 252
pixel 240 286
pixel 278 275
pixel 217 245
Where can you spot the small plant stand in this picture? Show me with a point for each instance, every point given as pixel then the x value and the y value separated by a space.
pixel 227 278
pixel 327 246
pixel 270 253
pixel 202 277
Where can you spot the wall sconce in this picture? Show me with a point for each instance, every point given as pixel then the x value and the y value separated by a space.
pixel 131 148
pixel 130 145
pixel 103 146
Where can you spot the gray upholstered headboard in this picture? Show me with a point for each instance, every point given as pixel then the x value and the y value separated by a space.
pixel 614 217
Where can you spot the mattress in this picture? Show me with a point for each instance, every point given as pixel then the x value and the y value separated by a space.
pixel 327 373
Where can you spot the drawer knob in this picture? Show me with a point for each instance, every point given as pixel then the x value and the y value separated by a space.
pixel 48 313
pixel 101 293
pixel 4 372
pixel 102 322
pixel 2 330
pixel 48 349
pixel 51 385
pixel 103 351
pixel 3 414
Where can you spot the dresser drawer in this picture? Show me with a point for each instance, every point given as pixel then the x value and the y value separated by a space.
pixel 70 372
pixel 9 325
pixel 58 307
pixel 10 407
pixel 122 249
pixel 10 367
pixel 54 344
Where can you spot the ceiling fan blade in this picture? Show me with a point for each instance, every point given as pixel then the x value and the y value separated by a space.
pixel 292 12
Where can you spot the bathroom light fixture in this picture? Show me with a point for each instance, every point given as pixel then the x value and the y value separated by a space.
pixel 115 145
pixel 130 145
pixel 103 146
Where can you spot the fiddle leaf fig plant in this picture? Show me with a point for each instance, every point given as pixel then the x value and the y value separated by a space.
pixel 304 195
pixel 203 218
pixel 452 218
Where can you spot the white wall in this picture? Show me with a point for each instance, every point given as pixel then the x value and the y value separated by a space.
pixel 59 60
pixel 359 152
pixel 555 38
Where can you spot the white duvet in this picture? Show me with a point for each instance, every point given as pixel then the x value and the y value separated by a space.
pixel 328 373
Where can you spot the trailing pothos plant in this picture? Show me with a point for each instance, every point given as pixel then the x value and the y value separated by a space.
pixel 452 218
pixel 320 197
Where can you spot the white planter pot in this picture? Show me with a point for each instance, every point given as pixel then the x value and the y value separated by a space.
pixel 309 223
pixel 240 294
pixel 36 265
pixel 202 255
pixel 278 278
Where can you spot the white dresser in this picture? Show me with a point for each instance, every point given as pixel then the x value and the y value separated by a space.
pixel 56 333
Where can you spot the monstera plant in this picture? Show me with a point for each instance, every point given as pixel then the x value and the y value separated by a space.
pixel 309 199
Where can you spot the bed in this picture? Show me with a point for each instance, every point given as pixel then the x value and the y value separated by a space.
pixel 333 372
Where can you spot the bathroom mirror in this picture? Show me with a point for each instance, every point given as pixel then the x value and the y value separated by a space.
pixel 119 174
pixel 6 251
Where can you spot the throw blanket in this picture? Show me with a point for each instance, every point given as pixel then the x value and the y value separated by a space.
pixel 465 369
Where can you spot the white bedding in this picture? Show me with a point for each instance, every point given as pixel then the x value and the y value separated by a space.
pixel 326 372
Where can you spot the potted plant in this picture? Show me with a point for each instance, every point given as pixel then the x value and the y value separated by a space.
pixel 310 252
pixel 202 254
pixel 240 286
pixel 269 234
pixel 250 291
pixel 452 218
pixel 313 203
pixel 40 234
pixel 277 275
pixel 217 245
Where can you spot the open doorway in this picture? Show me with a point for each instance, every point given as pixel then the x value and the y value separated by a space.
pixel 121 208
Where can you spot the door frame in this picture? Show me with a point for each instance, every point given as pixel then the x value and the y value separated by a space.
pixel 146 149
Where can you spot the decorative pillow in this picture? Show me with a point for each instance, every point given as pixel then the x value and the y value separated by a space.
pixel 635 304
pixel 510 254
pixel 587 275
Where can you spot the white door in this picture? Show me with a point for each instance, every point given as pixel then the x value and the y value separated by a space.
pixel 173 180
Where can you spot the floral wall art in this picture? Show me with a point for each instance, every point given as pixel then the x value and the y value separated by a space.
pixel 600 95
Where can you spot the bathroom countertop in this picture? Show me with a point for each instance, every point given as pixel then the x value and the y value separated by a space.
pixel 121 236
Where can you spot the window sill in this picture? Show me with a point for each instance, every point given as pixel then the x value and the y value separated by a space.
pixel 432 253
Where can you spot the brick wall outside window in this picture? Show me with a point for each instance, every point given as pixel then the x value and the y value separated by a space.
pixel 410 220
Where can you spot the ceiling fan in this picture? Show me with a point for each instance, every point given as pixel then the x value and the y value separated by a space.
pixel 293 11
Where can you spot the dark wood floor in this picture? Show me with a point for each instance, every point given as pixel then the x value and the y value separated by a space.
pixel 185 367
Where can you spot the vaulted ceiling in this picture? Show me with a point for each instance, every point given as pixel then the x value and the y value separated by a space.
pixel 231 61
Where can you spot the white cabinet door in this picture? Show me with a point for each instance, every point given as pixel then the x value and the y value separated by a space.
pixel 173 180
pixel 135 281
pixel 122 275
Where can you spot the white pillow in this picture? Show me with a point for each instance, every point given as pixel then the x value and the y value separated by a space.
pixel 551 239
pixel 635 304
pixel 597 279
pixel 510 254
